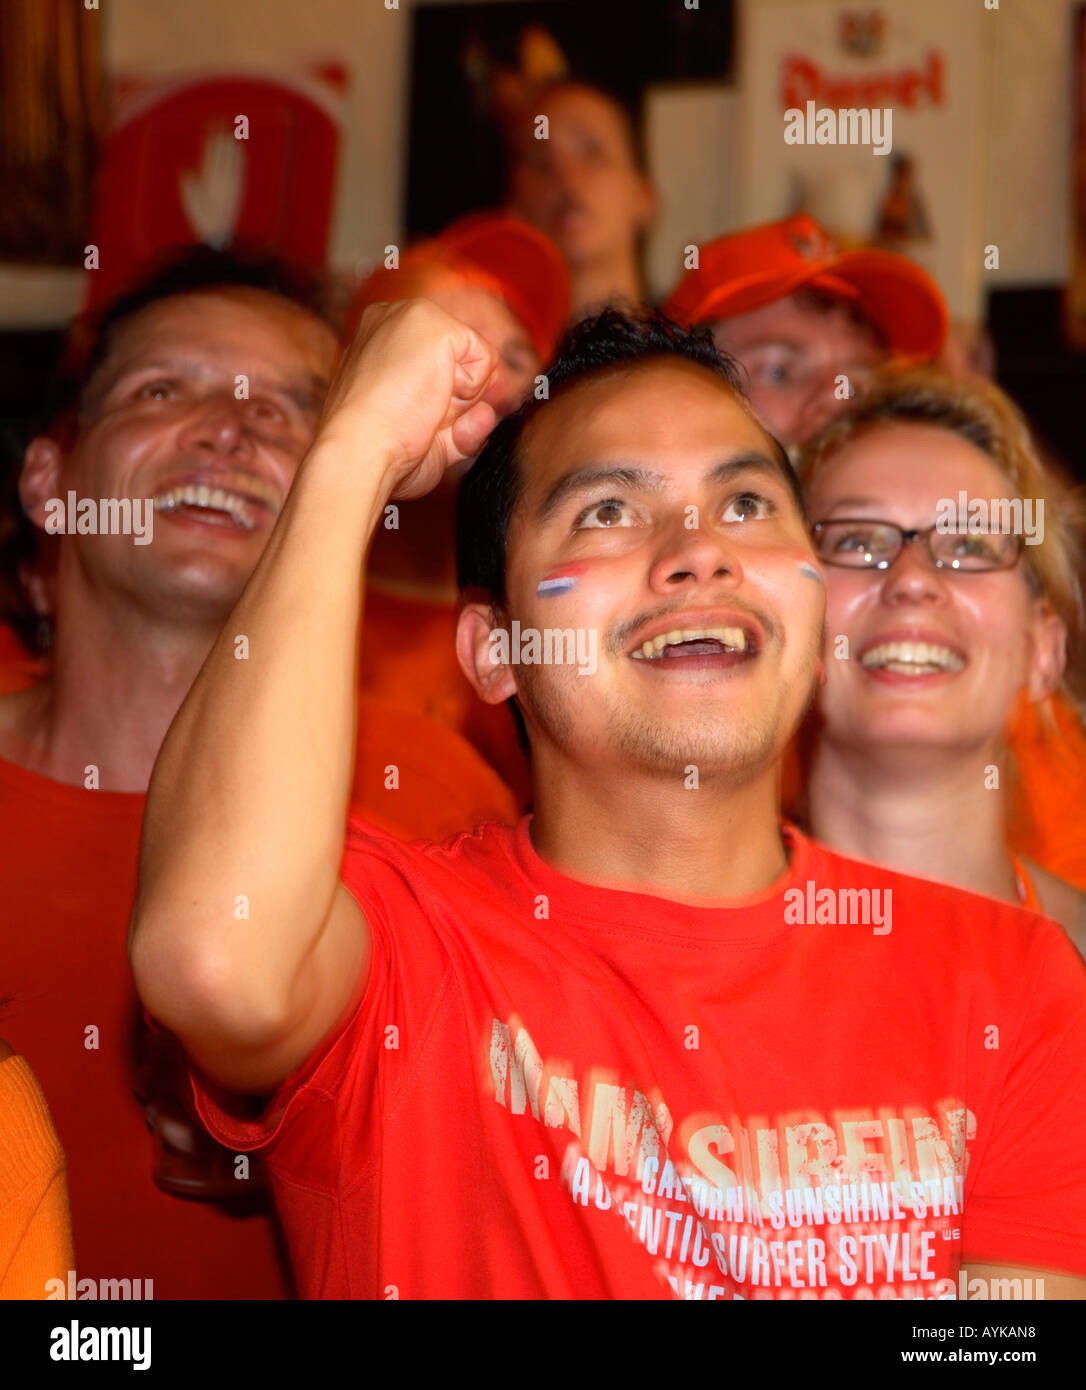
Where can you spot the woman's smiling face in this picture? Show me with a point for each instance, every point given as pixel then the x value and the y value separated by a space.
pixel 933 656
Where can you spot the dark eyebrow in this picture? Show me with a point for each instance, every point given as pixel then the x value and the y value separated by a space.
pixel 110 380
pixel 307 390
pixel 584 479
pixel 642 480
pixel 777 340
pixel 752 463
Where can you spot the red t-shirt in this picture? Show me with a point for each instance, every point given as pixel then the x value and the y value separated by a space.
pixel 67 882
pixel 550 1090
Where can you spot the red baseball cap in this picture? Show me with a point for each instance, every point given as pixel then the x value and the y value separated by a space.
pixel 499 253
pixel 747 270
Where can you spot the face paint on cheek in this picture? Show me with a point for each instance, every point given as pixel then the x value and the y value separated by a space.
pixel 809 572
pixel 559 581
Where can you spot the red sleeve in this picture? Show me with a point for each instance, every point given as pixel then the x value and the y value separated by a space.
pixel 362 1062
pixel 1028 1200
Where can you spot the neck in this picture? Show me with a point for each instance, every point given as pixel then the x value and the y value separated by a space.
pixel 615 282
pixel 419 558
pixel 118 679
pixel 931 816
pixel 654 835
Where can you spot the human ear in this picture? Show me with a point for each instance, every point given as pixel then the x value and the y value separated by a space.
pixel 1048 652
pixel 479 654
pixel 40 477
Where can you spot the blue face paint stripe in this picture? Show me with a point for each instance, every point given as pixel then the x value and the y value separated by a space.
pixel 809 572
pixel 562 585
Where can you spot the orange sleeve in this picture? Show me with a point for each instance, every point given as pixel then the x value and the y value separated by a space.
pixel 35 1219
pixel 1047 822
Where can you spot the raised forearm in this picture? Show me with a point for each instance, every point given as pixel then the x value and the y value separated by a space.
pixel 245 818
pixel 243 941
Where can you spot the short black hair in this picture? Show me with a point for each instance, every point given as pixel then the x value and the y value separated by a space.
pixel 489 491
pixel 178 271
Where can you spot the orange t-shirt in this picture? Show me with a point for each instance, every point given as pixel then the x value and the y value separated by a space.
pixel 67 882
pixel 1048 795
pixel 409 663
pixel 594 1093
pixel 35 1220
pixel 419 779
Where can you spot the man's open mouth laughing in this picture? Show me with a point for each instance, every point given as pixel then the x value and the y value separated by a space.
pixel 238 502
pixel 686 643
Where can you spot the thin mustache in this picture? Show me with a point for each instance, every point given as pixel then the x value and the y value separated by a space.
pixel 618 639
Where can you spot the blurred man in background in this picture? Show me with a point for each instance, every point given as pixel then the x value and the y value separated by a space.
pixel 581 178
pixel 808 323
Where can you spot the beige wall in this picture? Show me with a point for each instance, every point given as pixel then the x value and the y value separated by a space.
pixel 1030 85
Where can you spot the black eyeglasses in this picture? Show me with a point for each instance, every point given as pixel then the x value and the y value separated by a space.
pixel 865 544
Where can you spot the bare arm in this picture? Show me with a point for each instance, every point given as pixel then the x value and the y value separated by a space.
pixel 247 803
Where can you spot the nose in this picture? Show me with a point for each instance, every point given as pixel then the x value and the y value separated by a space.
pixel 913 577
pixel 692 557
pixel 568 174
pixel 821 404
pixel 218 428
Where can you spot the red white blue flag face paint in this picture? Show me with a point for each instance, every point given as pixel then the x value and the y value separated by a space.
pixel 559 581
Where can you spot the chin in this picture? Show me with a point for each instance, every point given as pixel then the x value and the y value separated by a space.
pixel 730 748
pixel 912 733
pixel 196 590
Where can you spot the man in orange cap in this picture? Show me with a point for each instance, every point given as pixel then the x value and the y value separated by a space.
pixel 808 322
pixel 508 282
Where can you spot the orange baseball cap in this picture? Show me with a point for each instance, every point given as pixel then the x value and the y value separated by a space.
pixel 747 270
pixel 499 253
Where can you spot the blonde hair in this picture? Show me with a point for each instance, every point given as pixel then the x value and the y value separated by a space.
pixel 981 413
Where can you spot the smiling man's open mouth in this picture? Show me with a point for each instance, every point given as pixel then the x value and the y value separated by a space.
pixel 239 505
pixel 681 644
pixel 684 642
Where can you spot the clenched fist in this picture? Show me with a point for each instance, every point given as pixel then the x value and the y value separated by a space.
pixel 411 385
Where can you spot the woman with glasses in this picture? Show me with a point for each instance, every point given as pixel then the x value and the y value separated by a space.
pixel 953 611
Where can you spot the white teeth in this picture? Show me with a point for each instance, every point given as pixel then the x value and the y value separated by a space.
pixel 912 658
pixel 218 499
pixel 733 638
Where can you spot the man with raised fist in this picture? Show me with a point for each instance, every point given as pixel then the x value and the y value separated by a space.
pixel 601 1054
